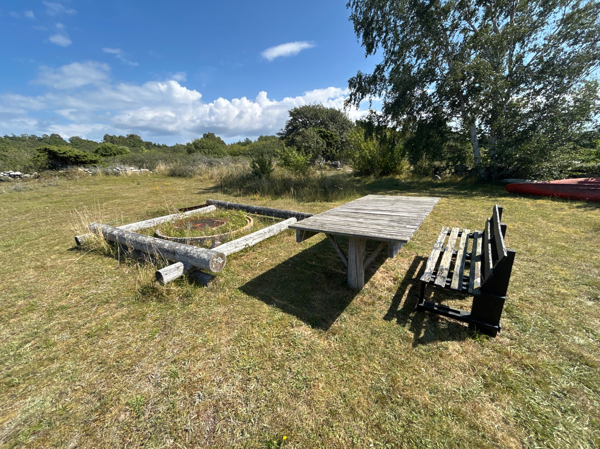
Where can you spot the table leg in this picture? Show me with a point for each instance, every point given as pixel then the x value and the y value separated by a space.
pixel 356 263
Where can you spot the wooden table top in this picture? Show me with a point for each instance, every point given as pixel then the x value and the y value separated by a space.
pixel 373 217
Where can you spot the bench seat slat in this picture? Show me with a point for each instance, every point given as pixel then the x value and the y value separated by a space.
pixel 444 269
pixel 435 255
pixel 461 258
pixel 475 270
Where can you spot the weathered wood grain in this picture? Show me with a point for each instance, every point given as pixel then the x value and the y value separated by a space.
pixel 377 217
pixel 487 263
pixel 337 248
pixel 356 259
pixel 444 267
pixel 461 258
pixel 302 235
pixel 375 254
pixel 475 268
pixel 435 255
pixel 497 232
pixel 393 248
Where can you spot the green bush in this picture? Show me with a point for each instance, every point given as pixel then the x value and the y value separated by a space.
pixel 182 170
pixel 375 155
pixel 293 160
pixel 18 159
pixel 262 165
pixel 209 145
pixel 110 149
pixel 325 186
pixel 83 144
pixel 51 157
pixel 236 149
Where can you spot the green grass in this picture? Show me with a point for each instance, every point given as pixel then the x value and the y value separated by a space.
pixel 94 354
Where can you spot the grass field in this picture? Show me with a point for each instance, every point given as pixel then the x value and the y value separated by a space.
pixel 278 352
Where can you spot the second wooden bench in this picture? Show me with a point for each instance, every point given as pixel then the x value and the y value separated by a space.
pixel 489 264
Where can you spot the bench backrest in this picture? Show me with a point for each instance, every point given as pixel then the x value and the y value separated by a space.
pixel 496 260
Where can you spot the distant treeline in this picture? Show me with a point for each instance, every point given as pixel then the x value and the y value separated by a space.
pixel 314 135
pixel 33 153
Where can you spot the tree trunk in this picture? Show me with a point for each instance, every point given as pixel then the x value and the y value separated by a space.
pixel 269 212
pixel 475 144
pixel 201 258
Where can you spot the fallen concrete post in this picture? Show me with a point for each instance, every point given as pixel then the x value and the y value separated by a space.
pixel 205 259
pixel 259 210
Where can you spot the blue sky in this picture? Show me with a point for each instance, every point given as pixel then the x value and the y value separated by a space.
pixel 170 71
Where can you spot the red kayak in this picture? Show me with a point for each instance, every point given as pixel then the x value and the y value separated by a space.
pixel 587 189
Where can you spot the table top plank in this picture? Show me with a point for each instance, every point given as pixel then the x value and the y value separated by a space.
pixel 378 217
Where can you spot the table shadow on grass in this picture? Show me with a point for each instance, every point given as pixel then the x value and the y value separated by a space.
pixel 426 327
pixel 312 285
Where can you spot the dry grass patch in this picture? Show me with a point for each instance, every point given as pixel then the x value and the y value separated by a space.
pixel 95 354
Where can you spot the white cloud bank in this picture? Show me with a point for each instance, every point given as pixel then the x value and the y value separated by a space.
pixel 72 76
pixel 284 50
pixel 83 101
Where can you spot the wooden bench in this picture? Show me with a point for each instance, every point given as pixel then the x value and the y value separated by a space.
pixel 489 266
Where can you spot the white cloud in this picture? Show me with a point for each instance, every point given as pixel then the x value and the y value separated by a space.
pixel 120 55
pixel 283 50
pixel 26 14
pixel 179 76
pixel 56 9
pixel 164 109
pixel 73 75
pixel 60 39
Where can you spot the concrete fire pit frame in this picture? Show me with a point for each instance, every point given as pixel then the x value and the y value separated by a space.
pixel 189 259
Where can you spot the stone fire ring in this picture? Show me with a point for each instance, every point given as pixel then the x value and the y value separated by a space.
pixel 205 239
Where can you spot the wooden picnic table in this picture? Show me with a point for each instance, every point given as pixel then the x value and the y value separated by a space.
pixel 391 220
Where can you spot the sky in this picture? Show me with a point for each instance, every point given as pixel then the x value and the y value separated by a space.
pixel 171 71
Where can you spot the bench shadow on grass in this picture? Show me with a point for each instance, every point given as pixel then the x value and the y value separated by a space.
pixel 426 327
pixel 312 285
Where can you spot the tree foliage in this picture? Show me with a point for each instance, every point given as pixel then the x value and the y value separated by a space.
pixel 209 145
pixel 262 165
pixel 294 160
pixel 110 149
pixel 83 144
pixel 512 76
pixel 376 149
pixel 52 157
pixel 331 125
